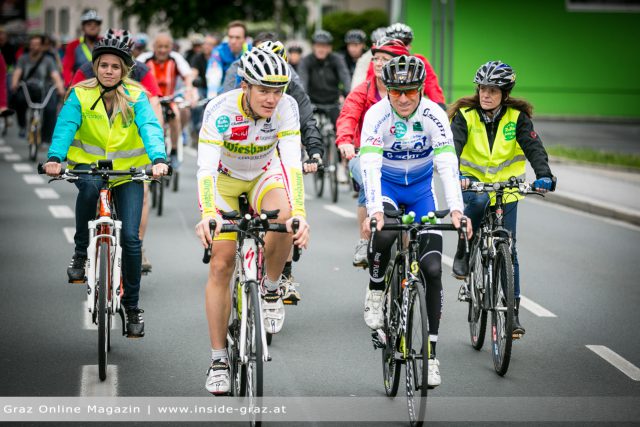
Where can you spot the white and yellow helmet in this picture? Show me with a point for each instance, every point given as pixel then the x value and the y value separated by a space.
pixel 264 67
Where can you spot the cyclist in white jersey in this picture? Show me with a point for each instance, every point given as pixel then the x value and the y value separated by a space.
pixel 249 142
pixel 403 137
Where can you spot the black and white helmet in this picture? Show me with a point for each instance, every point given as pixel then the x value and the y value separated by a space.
pixel 378 34
pixel 403 71
pixel 322 37
pixel 400 31
pixel 496 73
pixel 264 67
pixel 91 15
pixel 355 36
pixel 116 42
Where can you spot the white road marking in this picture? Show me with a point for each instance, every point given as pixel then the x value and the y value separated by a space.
pixel 61 211
pixel 6 149
pixel 22 167
pixel 534 307
pixel 191 151
pixel 46 193
pixel 69 233
pixel 12 157
pixel 33 179
pixel 90 384
pixel 626 367
pixel 339 211
pixel 2 141
pixel 525 302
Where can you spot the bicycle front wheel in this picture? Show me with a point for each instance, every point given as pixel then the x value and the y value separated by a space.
pixel 502 314
pixel 390 364
pixel 477 317
pixel 34 140
pixel 103 315
pixel 334 164
pixel 254 367
pixel 417 355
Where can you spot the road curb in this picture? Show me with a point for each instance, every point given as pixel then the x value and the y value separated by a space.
pixel 594 207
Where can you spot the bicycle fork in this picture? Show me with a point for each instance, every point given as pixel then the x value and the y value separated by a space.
pixel 116 261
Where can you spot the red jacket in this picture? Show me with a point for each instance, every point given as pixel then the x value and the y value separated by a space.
pixel 431 85
pixel 358 102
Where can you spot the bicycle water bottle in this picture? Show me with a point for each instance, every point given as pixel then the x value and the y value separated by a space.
pixel 409 218
pixel 429 218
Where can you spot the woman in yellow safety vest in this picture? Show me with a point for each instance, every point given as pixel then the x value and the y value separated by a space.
pixel 109 117
pixel 493 135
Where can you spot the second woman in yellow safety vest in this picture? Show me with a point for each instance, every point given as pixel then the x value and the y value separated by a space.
pixel 494 135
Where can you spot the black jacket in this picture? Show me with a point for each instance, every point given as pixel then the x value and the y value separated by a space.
pixel 325 80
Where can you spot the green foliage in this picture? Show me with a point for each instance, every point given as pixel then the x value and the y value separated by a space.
pixel 338 23
pixel 594 156
pixel 184 16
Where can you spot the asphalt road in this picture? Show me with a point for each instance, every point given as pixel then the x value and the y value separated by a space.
pixel 578 271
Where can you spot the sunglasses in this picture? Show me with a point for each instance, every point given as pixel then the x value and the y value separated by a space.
pixel 409 92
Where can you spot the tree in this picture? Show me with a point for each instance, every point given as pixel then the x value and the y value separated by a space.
pixel 338 23
pixel 185 16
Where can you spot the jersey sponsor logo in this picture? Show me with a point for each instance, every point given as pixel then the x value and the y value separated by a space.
pixel 418 143
pixel 247 148
pixel 417 127
pixel 407 155
pixel 222 123
pixel 91 115
pixel 239 133
pixel 427 113
pixel 509 131
pixel 379 123
pixel 239 118
pixel 374 141
pixel 399 129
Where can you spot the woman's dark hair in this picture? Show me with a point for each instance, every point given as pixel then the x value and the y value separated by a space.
pixel 474 102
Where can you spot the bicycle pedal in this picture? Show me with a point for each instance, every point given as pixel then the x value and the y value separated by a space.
pixel 78 282
pixel 516 336
pixel 379 339
pixel 290 301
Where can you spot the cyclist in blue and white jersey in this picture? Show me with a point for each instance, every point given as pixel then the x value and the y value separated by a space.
pixel 404 137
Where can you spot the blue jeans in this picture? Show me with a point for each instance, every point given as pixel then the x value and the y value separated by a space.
pixel 475 205
pixel 356 174
pixel 128 201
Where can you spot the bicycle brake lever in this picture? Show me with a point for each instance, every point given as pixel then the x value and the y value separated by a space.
pixel 207 252
pixel 295 225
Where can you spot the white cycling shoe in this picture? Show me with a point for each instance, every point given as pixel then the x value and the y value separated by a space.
pixel 272 311
pixel 433 376
pixel 218 378
pixel 373 315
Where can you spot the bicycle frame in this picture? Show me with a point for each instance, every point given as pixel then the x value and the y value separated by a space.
pixel 105 228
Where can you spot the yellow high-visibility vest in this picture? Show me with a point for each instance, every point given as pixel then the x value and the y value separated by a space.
pixel 499 163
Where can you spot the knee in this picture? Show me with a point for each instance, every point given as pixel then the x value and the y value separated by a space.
pixel 431 268
pixel 130 238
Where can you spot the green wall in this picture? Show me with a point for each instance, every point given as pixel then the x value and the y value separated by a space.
pixel 567 63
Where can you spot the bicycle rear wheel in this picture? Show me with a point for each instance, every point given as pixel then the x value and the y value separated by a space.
pixel 160 201
pixel 254 367
pixel 318 179
pixel 103 322
pixel 34 139
pixel 502 314
pixel 334 164
pixel 417 352
pixel 477 317
pixel 391 366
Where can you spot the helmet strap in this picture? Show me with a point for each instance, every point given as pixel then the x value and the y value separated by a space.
pixel 106 90
pixel 247 104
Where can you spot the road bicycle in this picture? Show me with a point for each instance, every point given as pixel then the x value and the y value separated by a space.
pixel 489 287
pixel 104 253
pixel 247 340
pixel 331 159
pixel 34 119
pixel 404 336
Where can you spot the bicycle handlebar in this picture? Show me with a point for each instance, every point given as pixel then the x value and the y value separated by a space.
pixel 501 186
pixel 136 174
pixel 36 105
pixel 249 224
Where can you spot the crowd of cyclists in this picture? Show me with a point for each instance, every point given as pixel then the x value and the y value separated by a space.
pixel 256 133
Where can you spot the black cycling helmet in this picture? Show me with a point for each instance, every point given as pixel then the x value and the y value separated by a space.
pixel 116 42
pixel 90 15
pixel 403 71
pixel 400 31
pixel 322 37
pixel 355 36
pixel 496 73
pixel 294 48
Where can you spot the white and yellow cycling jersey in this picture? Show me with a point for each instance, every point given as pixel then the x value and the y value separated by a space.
pixel 239 147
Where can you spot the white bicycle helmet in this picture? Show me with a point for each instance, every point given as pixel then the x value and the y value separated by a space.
pixel 274 46
pixel 91 15
pixel 264 67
